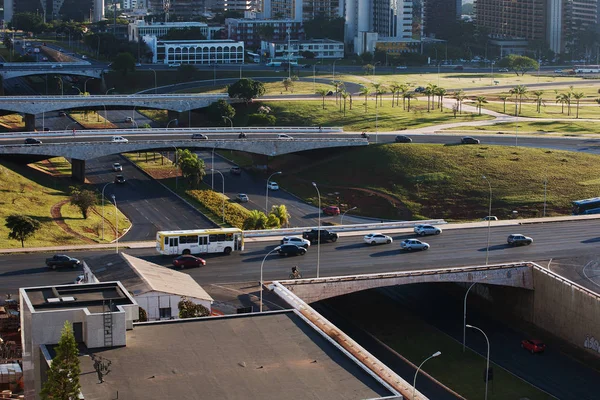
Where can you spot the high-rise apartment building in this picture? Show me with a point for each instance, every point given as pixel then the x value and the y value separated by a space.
pixel 582 14
pixel 524 19
pixel 302 10
pixel 78 10
pixel 439 13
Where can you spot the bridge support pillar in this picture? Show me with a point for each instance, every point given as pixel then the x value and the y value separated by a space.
pixel 78 170
pixel 29 122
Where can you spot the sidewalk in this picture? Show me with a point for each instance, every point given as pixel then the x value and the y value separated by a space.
pixel 450 226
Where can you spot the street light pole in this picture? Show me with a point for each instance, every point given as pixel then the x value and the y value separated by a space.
pixel 223 180
pixel 314 74
pixel 487 365
pixel 116 222
pixel 545 191
pixel 334 61
pixel 267 195
pixel 229 119
pixel 487 249
pixel 342 219
pixel 261 275
pixel 319 230
pixel 177 170
pixel 437 353
pixel 212 166
pixel 154 79
pixel 85 85
pixel 106 94
pixel 169 123
pixel 103 208
pixel 517 125
pixel 465 310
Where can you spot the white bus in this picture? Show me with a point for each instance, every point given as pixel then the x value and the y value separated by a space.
pixel 200 241
pixel 586 69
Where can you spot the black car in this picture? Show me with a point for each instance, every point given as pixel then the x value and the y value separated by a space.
pixel 330 93
pixel 61 260
pixel 325 236
pixel 419 89
pixel 402 139
pixel 235 170
pixel 119 179
pixel 200 136
pixel 291 250
pixel 32 141
pixel 469 140
pixel 62 114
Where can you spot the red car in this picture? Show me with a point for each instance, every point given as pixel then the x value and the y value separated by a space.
pixel 188 261
pixel 331 210
pixel 533 345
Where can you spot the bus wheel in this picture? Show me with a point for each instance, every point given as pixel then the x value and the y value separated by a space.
pixel 186 252
pixel 227 250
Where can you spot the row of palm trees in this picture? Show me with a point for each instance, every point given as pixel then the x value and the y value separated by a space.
pixel 521 92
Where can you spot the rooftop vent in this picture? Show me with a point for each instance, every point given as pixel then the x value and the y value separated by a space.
pixel 53 300
pixel 68 298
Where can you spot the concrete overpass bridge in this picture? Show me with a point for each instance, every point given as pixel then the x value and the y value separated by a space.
pixel 17 70
pixel 80 151
pixel 30 106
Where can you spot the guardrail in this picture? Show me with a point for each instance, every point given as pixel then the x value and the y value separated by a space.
pixel 171 131
pixel 46 64
pixel 181 97
pixel 343 228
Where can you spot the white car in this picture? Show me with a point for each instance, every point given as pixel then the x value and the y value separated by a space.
pixel 377 238
pixel 119 139
pixel 273 186
pixel 243 198
pixel 413 244
pixel 297 240
pixel 117 167
pixel 284 136
pixel 423 230
pixel 79 280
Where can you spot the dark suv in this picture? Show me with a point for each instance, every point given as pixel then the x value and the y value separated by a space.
pixel 291 250
pixel 33 141
pixel 61 260
pixel 326 236
pixel 517 239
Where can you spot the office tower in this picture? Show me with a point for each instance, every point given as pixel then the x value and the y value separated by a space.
pixel 439 14
pixel 387 18
pixel 524 19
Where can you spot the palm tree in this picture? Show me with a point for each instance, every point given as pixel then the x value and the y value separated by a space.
pixel 538 99
pixel 323 93
pixel 519 92
pixel 403 89
pixel 430 92
pixel 381 91
pixel 336 85
pixel 365 91
pixel 409 96
pixel 281 212
pixel 578 96
pixel 560 99
pixel 255 220
pixel 504 97
pixel 440 93
pixel 394 90
pixel 459 96
pixel 567 98
pixel 376 86
pixel 480 100
pixel 344 96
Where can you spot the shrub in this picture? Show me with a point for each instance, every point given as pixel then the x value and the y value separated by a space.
pixel 235 215
pixel 261 119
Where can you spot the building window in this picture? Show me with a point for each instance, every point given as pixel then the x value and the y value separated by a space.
pixel 164 312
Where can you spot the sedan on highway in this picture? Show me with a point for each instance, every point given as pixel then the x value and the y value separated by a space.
pixel 469 140
pixel 119 179
pixel 284 136
pixel 33 141
pixel 296 240
pixel 423 230
pixel 119 139
pixel 117 167
pixel 200 136
pixel 188 261
pixel 377 238
pixel 291 250
pixel 413 244
pixel 516 239
pixel 273 186
pixel 402 139
pixel 533 346
pixel 62 260
pixel 331 210
pixel 243 198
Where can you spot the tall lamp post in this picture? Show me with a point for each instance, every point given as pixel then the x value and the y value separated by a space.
pixel 315 73
pixel 334 67
pixel 62 91
pixel 169 123
pixel 212 166
pixel 267 195
pixel 85 84
pixel 154 79
pixel 437 353
pixel 487 365
pixel 106 94
pixel 342 219
pixel 465 310
pixel 223 180
pixel 487 249
pixel 261 275
pixel 103 208
pixel 319 230
pixel 75 87
pixel 177 170
pixel 517 125
pixel 116 221
pixel 228 119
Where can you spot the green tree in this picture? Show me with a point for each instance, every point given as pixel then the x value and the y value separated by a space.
pixel 365 91
pixel 246 89
pixel 504 97
pixel 323 93
pixel 459 96
pixel 273 222
pixel 281 212
pixel 63 375
pixel 288 83
pixel 83 199
pixel 255 220
pixel 189 309
pixel 124 63
pixel 440 93
pixel 260 119
pixel 28 22
pixel 408 96
pixel 539 101
pixel 578 96
pixel 21 227
pixel 369 69
pixel 402 90
pixel 480 100
pixel 192 167
pixel 560 99
pixel 518 64
pixel 220 109
pixel 519 92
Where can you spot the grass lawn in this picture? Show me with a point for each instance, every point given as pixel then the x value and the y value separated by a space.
pixel 312 113
pixel 12 121
pixel 299 87
pixel 551 110
pixel 31 191
pixel 568 128
pixel 91 120
pixel 400 181
pixel 589 89
pixel 155 115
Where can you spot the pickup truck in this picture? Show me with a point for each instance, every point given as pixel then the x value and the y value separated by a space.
pixel 61 260
pixel 325 235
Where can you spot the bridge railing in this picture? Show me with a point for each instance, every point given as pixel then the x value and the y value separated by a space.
pixel 46 64
pixel 180 97
pixel 343 228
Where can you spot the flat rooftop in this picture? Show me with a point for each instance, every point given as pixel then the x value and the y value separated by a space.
pixel 94 297
pixel 271 356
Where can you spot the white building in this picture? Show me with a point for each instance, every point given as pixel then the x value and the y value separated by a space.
pixel 156 289
pixel 322 48
pixel 141 28
pixel 195 51
pixel 99 313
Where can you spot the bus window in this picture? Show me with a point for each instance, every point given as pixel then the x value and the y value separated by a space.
pixel 212 238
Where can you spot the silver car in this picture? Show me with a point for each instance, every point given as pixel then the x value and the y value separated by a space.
pixel 423 230
pixel 516 239
pixel 377 238
pixel 413 244
pixel 297 240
